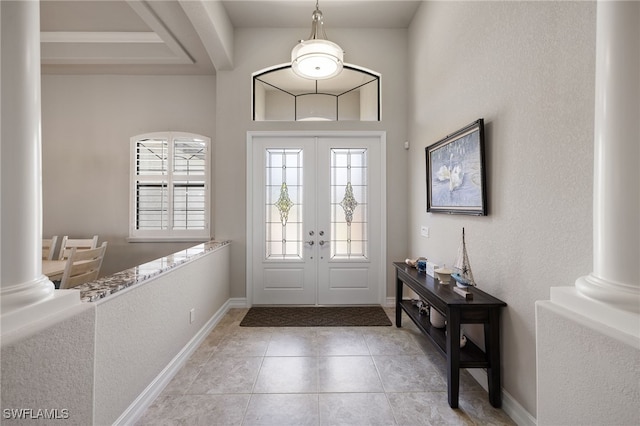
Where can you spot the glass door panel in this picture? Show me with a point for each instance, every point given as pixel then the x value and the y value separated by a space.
pixel 349 222
pixel 284 203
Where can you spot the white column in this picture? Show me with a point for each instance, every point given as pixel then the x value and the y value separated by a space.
pixel 615 279
pixel 21 280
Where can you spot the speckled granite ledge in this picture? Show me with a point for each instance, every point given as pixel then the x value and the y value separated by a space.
pixel 102 287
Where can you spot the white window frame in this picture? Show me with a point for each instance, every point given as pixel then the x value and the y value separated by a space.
pixel 169 234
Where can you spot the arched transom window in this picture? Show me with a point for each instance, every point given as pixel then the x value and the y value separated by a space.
pixel 281 95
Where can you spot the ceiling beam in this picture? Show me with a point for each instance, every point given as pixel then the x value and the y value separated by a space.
pixel 145 12
pixel 99 37
pixel 124 48
pixel 211 22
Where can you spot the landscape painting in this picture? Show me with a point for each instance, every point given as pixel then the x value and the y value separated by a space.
pixel 455 172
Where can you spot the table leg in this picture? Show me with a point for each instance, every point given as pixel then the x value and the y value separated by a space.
pixel 453 356
pixel 492 349
pixel 399 285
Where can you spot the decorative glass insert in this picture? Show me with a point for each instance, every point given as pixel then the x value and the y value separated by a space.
pixel 349 203
pixel 284 234
pixel 284 204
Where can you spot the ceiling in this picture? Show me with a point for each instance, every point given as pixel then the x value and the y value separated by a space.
pixel 183 36
pixel 338 13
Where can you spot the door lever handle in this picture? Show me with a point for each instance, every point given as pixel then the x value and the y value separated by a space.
pixel 311 242
pixel 321 242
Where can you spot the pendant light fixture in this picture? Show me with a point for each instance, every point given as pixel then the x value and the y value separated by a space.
pixel 317 58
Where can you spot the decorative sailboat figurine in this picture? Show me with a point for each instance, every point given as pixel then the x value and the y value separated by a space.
pixel 463 274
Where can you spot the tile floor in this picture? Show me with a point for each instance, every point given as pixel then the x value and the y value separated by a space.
pixel 317 376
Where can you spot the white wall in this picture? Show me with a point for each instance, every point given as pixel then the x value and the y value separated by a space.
pixel 138 333
pixel 51 369
pixel 92 117
pixel 591 372
pixel 96 359
pixel 381 50
pixel 86 125
pixel 528 69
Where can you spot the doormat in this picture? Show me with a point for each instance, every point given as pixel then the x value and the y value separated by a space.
pixel 332 316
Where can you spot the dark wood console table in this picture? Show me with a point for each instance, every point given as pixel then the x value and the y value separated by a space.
pixel 482 309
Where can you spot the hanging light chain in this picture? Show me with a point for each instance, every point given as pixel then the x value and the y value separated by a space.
pixel 317 25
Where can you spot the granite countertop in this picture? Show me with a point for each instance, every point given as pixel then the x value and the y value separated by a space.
pixel 102 287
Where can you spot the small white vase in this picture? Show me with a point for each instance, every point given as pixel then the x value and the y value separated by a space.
pixel 436 318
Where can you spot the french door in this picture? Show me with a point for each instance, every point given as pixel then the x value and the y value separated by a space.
pixel 316 218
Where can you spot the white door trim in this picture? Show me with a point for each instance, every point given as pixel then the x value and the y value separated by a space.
pixel 381 135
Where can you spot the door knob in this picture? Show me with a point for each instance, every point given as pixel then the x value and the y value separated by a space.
pixel 311 233
pixel 312 242
pixel 321 242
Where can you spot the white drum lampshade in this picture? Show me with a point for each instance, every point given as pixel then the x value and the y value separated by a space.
pixel 317 58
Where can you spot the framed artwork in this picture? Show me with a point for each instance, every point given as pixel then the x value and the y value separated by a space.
pixel 456 182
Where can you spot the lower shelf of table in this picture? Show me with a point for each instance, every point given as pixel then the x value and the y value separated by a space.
pixel 471 356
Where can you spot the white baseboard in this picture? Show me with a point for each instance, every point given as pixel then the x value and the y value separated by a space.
pixel 238 302
pixel 509 405
pixel 137 408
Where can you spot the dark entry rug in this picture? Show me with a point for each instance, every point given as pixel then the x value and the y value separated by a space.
pixel 315 316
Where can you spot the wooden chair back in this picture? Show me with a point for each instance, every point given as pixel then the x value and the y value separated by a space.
pixel 82 266
pixel 81 243
pixel 49 247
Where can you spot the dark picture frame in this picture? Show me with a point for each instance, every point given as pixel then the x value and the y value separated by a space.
pixel 456 177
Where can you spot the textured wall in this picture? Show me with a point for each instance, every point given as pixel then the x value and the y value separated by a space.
pixel 528 69
pixel 140 331
pixel 93 361
pixel 92 118
pixel 51 370
pixel 87 121
pixel 590 374
pixel 383 50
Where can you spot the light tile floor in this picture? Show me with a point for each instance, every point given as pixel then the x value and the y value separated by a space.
pixel 317 376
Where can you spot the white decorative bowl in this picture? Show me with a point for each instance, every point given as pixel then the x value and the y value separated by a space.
pixel 444 275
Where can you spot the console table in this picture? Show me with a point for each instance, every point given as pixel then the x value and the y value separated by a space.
pixel 482 309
